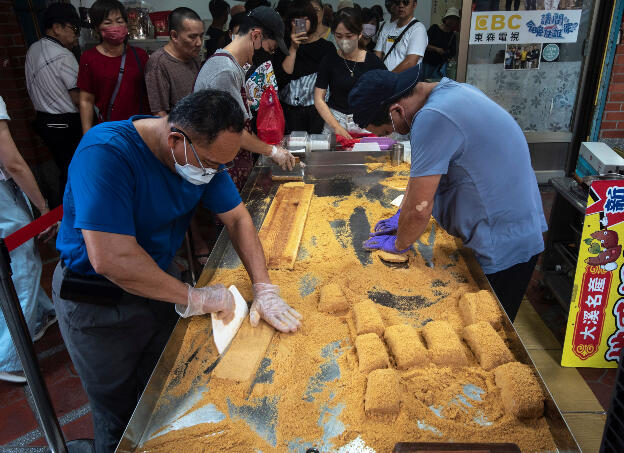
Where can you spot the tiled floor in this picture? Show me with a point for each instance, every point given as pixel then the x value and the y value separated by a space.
pixel 19 425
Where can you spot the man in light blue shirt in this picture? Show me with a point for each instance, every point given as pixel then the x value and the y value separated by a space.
pixel 470 169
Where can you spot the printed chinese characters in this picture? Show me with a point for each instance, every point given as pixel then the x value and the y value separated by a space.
pixel 615 200
pixel 552 26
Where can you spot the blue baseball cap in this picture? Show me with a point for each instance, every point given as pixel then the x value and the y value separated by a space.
pixel 378 87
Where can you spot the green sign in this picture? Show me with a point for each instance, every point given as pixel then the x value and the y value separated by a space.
pixel 550 52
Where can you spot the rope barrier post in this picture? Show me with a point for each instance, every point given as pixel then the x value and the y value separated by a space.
pixel 9 303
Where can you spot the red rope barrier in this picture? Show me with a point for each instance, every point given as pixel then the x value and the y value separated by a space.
pixel 35 227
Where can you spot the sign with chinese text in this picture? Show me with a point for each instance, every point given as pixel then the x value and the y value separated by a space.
pixel 595 332
pixel 524 27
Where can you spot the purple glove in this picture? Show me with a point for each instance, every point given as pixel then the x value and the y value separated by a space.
pixel 387 226
pixel 385 243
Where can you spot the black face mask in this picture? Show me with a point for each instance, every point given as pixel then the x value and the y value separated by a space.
pixel 260 56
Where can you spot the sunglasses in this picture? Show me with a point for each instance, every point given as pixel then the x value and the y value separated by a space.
pixel 225 167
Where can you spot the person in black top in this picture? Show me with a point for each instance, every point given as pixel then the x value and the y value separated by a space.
pixel 485 5
pixel 339 71
pixel 377 10
pixel 250 5
pixel 442 46
pixel 282 8
pixel 516 5
pixel 328 15
pixel 215 36
pixel 296 73
pixel 235 22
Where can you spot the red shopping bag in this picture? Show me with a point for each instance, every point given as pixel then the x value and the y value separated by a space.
pixel 271 121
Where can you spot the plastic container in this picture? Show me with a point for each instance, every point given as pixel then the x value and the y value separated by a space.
pixel 297 139
pixel 407 151
pixel 320 142
pixel 384 142
pixel 366 146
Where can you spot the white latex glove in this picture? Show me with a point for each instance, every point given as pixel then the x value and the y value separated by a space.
pixel 282 158
pixel 215 299
pixel 269 306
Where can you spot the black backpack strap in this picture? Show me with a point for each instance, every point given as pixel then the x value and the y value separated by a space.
pixel 396 41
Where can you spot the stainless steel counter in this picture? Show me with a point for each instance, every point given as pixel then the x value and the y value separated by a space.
pixel 333 174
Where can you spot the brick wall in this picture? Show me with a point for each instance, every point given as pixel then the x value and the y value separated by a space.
pixel 612 125
pixel 13 91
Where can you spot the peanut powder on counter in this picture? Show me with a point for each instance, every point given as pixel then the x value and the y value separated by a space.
pixel 309 390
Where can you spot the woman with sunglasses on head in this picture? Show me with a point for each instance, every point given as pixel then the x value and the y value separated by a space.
pixel 339 71
pixel 296 72
pixel 111 75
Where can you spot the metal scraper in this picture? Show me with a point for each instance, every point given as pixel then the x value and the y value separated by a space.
pixel 224 333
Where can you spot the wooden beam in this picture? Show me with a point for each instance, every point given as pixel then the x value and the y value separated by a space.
pixel 283 225
pixel 240 362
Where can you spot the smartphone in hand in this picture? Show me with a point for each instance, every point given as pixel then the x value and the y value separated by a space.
pixel 300 26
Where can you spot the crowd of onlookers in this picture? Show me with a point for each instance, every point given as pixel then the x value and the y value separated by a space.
pixel 311 55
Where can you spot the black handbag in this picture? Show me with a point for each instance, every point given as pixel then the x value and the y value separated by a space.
pixel 93 289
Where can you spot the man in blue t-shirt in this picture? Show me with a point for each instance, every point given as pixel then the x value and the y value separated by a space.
pixel 132 189
pixel 470 168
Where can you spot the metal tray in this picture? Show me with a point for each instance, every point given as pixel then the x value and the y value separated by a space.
pixel 332 173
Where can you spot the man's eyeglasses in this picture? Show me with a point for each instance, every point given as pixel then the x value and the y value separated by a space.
pixel 74 28
pixel 225 167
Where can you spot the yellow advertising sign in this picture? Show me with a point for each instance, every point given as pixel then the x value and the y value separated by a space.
pixel 524 27
pixel 497 22
pixel 595 332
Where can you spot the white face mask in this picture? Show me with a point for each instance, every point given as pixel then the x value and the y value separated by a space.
pixel 347 45
pixel 368 30
pixel 191 173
